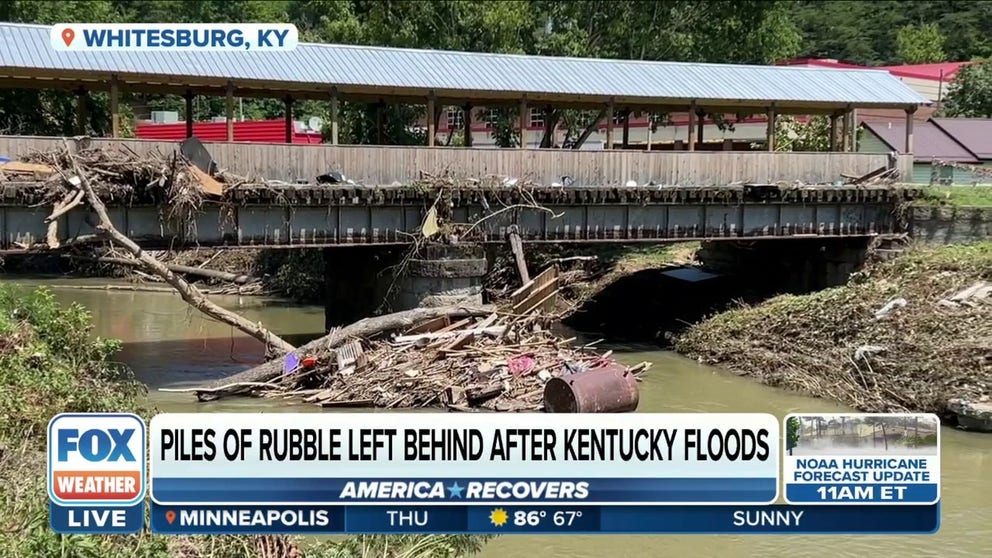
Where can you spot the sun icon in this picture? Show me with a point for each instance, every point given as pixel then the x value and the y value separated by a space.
pixel 498 517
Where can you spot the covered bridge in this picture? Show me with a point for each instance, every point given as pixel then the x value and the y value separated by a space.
pixel 439 78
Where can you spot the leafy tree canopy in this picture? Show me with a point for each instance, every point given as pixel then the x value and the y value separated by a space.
pixel 745 31
pixel 971 93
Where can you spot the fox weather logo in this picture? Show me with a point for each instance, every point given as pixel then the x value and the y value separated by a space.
pixel 96 459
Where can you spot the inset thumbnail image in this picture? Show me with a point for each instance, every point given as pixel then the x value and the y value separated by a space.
pixel 861 434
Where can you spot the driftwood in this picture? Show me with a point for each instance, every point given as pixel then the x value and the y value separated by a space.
pixel 188 292
pixel 479 369
pixel 324 346
pixel 238 278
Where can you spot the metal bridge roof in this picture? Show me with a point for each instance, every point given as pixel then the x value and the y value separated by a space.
pixel 311 70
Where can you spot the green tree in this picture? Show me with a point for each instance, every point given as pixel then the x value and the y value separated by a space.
pixel 702 31
pixel 795 135
pixel 920 44
pixel 327 21
pixel 792 427
pixel 52 112
pixel 971 93
pixel 866 31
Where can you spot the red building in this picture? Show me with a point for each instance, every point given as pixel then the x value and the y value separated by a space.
pixel 930 80
pixel 256 131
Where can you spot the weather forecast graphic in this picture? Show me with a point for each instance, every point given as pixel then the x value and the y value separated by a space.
pixel 498 517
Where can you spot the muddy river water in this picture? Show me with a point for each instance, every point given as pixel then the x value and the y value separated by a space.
pixel 169 345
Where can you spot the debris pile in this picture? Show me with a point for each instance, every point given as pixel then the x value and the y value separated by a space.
pixel 117 173
pixel 908 334
pixel 881 175
pixel 497 363
pixel 460 358
pixel 172 181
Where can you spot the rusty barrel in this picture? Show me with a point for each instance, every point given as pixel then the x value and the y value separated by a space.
pixel 609 389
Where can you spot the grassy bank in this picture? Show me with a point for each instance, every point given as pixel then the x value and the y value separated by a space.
pixel 963 196
pixel 51 363
pixel 830 343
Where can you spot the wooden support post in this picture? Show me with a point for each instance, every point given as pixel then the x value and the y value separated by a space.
pixel 849 131
pixel 431 121
pixel 770 131
pixel 609 125
pixel 189 113
pixel 692 124
pixel 115 111
pixel 700 124
pixel 854 129
pixel 909 130
pixel 833 131
pixel 81 112
pixel 650 125
pixel 517 247
pixel 467 114
pixel 379 108
pixel 290 127
pixel 844 134
pixel 524 122
pixel 335 115
pixel 229 111
pixel 626 129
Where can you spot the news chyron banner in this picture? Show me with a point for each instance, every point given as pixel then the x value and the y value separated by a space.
pixel 857 459
pixel 96 473
pixel 495 473
pixel 445 472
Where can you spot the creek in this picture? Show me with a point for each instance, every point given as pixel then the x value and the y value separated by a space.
pixel 168 344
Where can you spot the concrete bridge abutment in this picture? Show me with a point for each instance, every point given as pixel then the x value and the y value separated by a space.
pixel 443 275
pixel 358 279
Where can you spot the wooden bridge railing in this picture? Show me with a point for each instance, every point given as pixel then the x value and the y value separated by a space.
pixel 383 165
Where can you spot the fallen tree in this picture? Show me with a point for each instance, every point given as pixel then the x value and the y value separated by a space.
pixel 324 346
pixel 105 228
pixel 237 278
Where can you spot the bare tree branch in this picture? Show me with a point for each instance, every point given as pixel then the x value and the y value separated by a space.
pixel 188 292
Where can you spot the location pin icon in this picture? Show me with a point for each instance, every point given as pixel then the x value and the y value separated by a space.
pixel 68 35
pixel 170 516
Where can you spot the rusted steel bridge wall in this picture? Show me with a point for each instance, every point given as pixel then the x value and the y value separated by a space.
pixel 318 216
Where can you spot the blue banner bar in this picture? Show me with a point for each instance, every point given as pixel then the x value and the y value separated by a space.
pixel 458 490
pixel 496 519
pixel 96 520
pixel 861 493
pixel 246 520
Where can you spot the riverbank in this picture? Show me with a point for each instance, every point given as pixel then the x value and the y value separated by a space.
pixel 960 196
pixel 50 362
pixel 903 335
pixel 169 346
